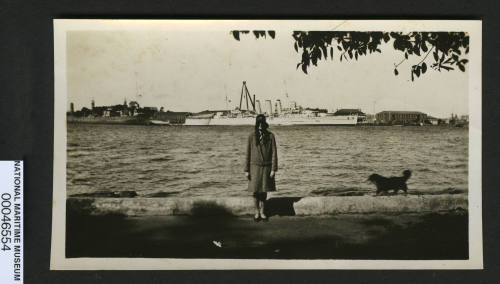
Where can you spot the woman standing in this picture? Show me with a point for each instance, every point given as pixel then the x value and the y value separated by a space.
pixel 261 164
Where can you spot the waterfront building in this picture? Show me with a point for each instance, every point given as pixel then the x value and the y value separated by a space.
pixel 401 117
pixel 349 111
pixel 370 118
pixel 352 111
pixel 133 105
pixel 432 120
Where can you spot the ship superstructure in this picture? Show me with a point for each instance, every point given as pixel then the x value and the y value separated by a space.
pixel 276 114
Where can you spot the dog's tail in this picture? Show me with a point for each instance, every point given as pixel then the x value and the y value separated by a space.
pixel 407 174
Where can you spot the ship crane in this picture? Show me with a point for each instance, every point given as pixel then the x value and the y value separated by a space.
pixel 245 93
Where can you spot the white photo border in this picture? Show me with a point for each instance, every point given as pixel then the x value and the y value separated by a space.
pixel 58 260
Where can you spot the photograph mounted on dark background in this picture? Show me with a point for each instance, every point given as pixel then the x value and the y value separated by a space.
pixel 267 144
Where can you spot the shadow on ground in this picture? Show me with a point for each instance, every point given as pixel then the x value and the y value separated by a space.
pixel 280 206
pixel 429 236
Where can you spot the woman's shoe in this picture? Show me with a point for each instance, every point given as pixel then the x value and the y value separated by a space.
pixel 256 218
pixel 264 217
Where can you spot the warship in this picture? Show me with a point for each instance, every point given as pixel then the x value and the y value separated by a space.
pixel 277 115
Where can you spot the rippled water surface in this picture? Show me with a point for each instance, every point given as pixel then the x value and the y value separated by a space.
pixel 208 161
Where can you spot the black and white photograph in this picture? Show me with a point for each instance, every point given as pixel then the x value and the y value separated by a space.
pixel 267 144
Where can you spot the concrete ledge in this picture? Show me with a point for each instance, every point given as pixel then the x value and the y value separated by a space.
pixel 329 205
pixel 283 206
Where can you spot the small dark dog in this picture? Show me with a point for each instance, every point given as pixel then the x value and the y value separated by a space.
pixel 384 184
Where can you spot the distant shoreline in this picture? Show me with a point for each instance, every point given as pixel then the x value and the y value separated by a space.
pixel 107 120
pixel 144 121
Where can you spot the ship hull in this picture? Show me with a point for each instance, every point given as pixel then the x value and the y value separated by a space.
pixel 159 122
pixel 325 120
pixel 233 121
pixel 197 121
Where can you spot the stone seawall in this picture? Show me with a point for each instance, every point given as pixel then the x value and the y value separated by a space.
pixel 283 206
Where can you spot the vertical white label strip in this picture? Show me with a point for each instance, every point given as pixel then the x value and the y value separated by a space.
pixel 11 222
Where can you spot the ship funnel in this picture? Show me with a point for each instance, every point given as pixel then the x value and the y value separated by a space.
pixel 279 108
pixel 259 109
pixel 269 110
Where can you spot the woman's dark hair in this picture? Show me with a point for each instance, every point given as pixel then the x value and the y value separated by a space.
pixel 261 120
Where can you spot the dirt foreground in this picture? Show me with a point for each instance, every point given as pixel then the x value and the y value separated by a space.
pixel 438 235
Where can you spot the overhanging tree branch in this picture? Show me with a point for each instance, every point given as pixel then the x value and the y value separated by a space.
pixel 314 45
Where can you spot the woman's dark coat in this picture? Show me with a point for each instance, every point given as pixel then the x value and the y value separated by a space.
pixel 261 159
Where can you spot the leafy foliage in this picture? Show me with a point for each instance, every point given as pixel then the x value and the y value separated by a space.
pixel 257 34
pixel 448 49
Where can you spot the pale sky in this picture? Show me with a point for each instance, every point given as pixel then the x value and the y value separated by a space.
pixel 195 70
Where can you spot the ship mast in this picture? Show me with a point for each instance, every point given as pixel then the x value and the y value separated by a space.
pixel 286 90
pixel 136 87
pixel 287 99
pixel 225 92
pixel 245 93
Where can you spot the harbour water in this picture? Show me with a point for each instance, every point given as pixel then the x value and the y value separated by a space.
pixel 184 161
